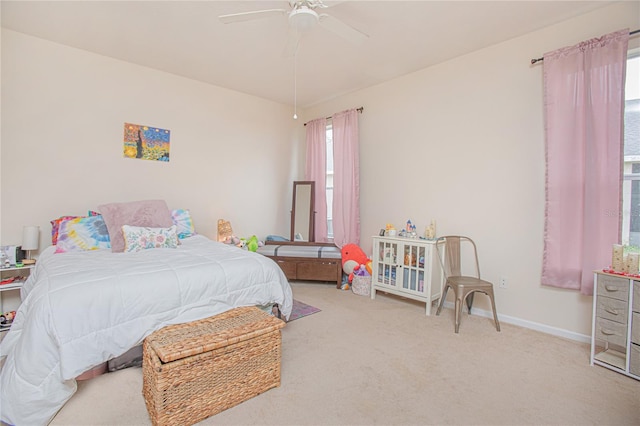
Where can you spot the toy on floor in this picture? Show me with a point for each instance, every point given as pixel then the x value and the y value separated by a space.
pixel 354 259
pixel 345 283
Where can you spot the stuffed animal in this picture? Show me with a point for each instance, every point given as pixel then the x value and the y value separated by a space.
pixel 368 267
pixel 232 240
pixel 352 257
pixel 252 244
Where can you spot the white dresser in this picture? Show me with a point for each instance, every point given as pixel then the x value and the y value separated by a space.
pixel 615 337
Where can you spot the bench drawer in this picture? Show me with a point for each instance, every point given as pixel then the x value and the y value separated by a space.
pixel 288 268
pixel 320 271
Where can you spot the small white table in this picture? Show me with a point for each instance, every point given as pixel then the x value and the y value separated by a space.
pixel 15 285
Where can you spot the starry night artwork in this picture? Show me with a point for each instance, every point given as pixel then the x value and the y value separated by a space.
pixel 146 142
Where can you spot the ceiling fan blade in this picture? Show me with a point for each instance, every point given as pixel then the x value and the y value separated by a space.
pixel 343 30
pixel 329 3
pixel 293 42
pixel 248 16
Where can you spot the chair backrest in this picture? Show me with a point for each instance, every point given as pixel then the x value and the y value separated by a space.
pixel 449 253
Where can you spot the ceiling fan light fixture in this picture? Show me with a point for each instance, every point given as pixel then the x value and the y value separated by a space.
pixel 303 19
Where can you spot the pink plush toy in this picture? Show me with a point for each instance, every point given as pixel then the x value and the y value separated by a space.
pixel 352 257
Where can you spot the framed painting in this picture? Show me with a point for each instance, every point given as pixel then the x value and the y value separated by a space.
pixel 146 142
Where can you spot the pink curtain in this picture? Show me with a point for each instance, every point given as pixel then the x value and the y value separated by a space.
pixel 346 178
pixel 316 170
pixel 584 106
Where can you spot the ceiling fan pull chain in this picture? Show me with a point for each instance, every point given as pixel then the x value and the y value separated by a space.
pixel 295 84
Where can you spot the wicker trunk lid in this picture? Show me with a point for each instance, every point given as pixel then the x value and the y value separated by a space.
pixel 234 326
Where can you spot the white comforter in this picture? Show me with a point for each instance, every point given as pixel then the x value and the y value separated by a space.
pixel 82 309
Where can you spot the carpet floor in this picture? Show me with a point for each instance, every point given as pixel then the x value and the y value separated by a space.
pixel 384 362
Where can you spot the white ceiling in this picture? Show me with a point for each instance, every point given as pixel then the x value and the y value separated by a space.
pixel 186 38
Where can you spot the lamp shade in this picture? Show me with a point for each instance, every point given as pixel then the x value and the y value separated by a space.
pixel 30 237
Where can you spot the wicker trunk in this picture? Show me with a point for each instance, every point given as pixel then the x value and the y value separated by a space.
pixel 195 370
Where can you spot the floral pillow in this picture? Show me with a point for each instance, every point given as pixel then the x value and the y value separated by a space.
pixel 184 223
pixel 81 234
pixel 138 238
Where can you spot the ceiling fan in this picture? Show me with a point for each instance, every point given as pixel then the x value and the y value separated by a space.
pixel 302 17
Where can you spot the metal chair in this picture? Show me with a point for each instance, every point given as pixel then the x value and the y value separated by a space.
pixel 464 286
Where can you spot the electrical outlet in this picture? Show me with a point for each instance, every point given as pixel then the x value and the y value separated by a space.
pixel 503 282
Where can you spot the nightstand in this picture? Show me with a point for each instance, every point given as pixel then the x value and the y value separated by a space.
pixel 15 286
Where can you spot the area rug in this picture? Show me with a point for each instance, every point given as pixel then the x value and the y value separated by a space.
pixel 301 310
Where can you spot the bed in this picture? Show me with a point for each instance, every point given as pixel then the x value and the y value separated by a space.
pixel 82 308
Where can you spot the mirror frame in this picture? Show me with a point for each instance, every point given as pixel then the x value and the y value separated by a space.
pixel 312 212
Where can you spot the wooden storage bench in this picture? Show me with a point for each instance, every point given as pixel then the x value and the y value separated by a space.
pixel 194 370
pixel 306 261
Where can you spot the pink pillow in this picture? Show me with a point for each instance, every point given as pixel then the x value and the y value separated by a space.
pixel 150 213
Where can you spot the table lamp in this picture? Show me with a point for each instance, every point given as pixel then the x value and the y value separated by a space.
pixel 30 239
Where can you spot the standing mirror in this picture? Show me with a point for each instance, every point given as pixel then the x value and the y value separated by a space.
pixel 302 211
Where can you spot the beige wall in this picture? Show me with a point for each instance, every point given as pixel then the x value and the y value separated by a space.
pixel 233 156
pixel 462 143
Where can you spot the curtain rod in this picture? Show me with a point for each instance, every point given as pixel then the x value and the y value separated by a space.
pixel 533 61
pixel 359 109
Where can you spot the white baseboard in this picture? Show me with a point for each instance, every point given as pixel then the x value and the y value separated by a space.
pixel 528 324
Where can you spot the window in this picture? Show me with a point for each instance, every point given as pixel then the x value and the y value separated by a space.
pixel 329 182
pixel 631 167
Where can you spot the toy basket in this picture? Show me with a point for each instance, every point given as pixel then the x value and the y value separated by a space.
pixel 361 285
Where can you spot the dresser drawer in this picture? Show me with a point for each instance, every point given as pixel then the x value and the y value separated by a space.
pixel 615 287
pixel 634 360
pixel 611 332
pixel 635 328
pixel 612 309
pixel 636 296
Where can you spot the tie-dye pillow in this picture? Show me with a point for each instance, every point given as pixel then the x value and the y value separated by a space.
pixel 138 238
pixel 55 225
pixel 184 223
pixel 81 234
